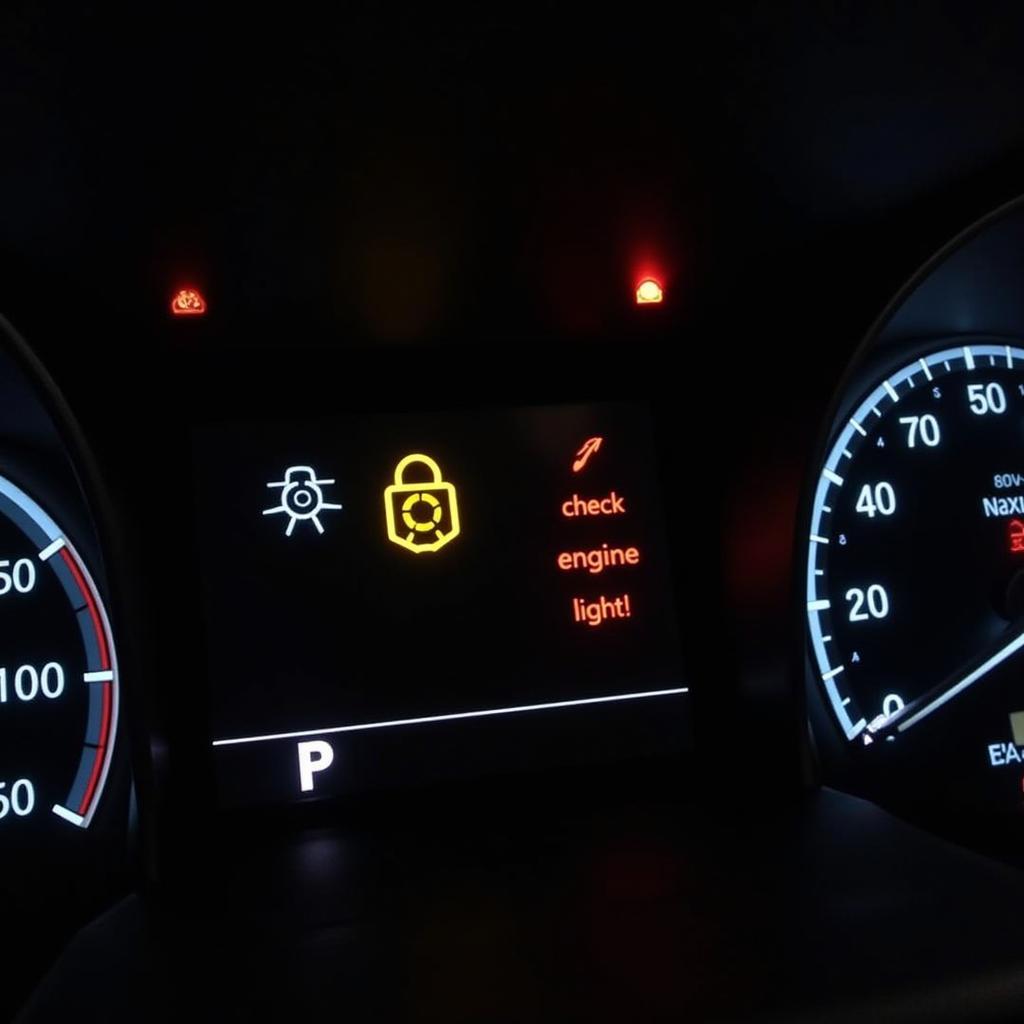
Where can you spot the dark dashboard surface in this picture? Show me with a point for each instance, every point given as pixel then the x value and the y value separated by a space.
pixel 396 219
pixel 824 910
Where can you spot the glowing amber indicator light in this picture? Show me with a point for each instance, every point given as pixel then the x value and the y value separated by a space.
pixel 648 292
pixel 188 302
pixel 421 517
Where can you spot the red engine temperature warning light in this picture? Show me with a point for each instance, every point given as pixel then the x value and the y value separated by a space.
pixel 649 292
pixel 1016 532
pixel 188 302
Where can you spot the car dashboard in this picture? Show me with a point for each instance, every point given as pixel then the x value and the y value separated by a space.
pixel 513 524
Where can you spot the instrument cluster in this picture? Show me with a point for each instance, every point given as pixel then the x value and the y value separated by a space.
pixel 372 581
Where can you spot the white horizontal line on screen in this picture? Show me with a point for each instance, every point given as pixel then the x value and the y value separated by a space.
pixel 451 718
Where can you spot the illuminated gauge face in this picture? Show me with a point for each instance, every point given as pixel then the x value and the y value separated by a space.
pixel 58 678
pixel 915 568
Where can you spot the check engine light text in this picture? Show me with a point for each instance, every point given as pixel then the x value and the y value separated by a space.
pixel 611 505
pixel 594 613
pixel 598 559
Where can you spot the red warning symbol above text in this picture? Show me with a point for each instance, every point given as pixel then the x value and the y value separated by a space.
pixel 590 447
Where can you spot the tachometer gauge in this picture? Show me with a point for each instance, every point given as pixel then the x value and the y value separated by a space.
pixel 915 567
pixel 58 677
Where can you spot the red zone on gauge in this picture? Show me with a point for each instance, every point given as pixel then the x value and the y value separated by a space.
pixel 99 665
pixel 100 678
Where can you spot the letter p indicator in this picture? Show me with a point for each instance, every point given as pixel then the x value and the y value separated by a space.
pixel 314 756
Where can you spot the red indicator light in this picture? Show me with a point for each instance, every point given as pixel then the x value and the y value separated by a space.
pixel 188 302
pixel 649 292
pixel 1016 536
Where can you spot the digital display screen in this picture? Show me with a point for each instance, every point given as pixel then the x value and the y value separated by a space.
pixel 388 594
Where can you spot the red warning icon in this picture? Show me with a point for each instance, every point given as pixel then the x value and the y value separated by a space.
pixel 188 302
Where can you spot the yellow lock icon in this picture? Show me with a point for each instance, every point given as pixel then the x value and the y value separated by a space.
pixel 421 516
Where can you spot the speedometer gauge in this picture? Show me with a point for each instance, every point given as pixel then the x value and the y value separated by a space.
pixel 58 676
pixel 915 568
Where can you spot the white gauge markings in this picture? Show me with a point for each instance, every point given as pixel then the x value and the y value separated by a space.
pixel 858 433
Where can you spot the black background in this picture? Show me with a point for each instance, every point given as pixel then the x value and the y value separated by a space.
pixel 411 185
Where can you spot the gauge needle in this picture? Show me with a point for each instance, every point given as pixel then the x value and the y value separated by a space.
pixel 942 694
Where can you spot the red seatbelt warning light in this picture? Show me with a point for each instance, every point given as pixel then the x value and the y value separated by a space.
pixel 1016 537
pixel 188 302
pixel 649 292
